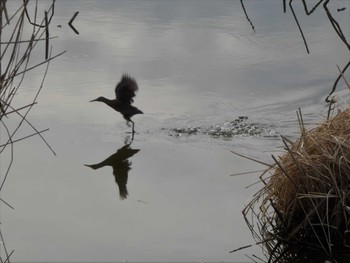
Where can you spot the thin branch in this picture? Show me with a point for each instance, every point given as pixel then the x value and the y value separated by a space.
pixel 26 41
pixel 21 108
pixel 252 159
pixel 4 245
pixel 52 9
pixel 300 30
pixel 39 64
pixel 252 172
pixel 345 80
pixel 70 23
pixel 4 9
pixel 336 81
pixel 47 36
pixel 23 138
pixel 2 200
pixel 335 25
pixel 257 243
pixel 24 118
pixel 8 258
pixel 246 15
pixel 30 107
pixel 11 158
pixel 313 8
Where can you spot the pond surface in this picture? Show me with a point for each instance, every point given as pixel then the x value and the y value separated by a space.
pixel 208 84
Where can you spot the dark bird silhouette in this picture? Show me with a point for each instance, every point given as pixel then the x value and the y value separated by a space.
pixel 121 167
pixel 125 92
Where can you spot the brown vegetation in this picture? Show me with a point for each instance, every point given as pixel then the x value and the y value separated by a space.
pixel 302 214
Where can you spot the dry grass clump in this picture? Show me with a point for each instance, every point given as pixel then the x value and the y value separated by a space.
pixel 303 212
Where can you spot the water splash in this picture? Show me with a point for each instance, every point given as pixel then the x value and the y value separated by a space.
pixel 239 127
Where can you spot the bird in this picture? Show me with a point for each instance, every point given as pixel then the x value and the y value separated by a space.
pixel 125 92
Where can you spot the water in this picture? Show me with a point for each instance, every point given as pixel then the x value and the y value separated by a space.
pixel 198 65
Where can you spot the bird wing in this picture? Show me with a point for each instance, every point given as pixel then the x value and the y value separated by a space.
pixel 125 89
pixel 120 171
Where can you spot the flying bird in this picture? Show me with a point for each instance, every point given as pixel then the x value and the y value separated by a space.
pixel 125 92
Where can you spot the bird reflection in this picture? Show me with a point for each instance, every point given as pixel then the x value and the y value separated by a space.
pixel 121 167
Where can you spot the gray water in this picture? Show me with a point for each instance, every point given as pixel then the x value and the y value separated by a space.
pixel 199 66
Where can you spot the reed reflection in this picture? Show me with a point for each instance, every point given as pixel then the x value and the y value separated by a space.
pixel 121 167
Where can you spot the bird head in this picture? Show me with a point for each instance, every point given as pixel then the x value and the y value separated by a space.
pixel 98 99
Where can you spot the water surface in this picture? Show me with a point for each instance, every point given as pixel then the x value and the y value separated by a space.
pixel 198 64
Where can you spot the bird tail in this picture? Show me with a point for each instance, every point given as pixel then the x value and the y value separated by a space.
pixel 136 110
pixel 123 192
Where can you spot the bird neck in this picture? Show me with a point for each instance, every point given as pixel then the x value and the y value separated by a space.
pixel 107 101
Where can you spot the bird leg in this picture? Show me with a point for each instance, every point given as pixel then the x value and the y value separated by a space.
pixel 132 137
pixel 133 125
pixel 133 130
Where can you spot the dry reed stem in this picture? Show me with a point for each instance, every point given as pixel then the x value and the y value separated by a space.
pixel 16 54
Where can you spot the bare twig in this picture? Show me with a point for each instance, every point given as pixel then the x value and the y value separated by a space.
pixel 4 245
pixel 39 64
pixel 27 41
pixel 47 36
pixel 21 108
pixel 335 25
pixel 252 172
pixel 6 203
pixel 37 132
pixel 23 138
pixel 246 15
pixel 70 23
pixel 300 30
pixel 342 75
pixel 11 157
pixel 251 159
pixel 52 9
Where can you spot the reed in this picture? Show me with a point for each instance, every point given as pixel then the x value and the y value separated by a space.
pixel 20 34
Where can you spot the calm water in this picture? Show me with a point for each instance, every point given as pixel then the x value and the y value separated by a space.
pixel 197 63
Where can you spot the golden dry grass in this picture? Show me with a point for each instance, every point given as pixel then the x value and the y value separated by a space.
pixel 302 214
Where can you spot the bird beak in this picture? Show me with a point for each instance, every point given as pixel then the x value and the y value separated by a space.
pixel 93 100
